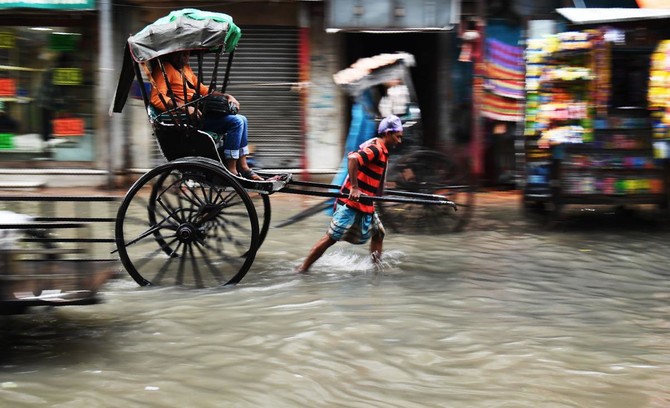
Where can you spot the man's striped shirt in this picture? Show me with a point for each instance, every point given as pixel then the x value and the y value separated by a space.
pixel 372 159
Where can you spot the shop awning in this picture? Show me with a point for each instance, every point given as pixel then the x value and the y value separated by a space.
pixel 611 15
pixel 49 4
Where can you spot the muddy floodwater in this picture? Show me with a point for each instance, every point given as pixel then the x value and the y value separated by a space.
pixel 508 313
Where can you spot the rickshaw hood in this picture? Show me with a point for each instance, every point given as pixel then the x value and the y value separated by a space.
pixel 185 29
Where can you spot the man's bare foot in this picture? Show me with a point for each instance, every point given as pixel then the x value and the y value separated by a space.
pixel 300 269
pixel 376 258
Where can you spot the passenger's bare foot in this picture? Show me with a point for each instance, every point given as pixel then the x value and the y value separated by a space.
pixel 251 175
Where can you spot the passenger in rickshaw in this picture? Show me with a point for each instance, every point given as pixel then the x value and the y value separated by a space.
pixel 234 126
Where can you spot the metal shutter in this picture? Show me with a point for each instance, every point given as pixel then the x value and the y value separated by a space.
pixel 264 70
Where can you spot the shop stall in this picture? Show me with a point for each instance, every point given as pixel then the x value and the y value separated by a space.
pixel 46 90
pixel 597 120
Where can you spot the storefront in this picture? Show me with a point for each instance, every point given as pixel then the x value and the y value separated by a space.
pixel 590 134
pixel 47 81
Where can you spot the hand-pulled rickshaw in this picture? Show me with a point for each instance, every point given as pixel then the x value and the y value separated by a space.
pixel 190 221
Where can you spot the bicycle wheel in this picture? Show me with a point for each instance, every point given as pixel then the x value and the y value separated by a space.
pixel 187 223
pixel 429 172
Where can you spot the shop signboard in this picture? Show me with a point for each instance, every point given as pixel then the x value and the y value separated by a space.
pixel 7 39
pixel 7 87
pixel 67 76
pixel 63 41
pixel 49 4
pixel 68 127
pixel 392 15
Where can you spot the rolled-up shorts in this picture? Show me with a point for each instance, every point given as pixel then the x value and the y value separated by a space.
pixel 354 226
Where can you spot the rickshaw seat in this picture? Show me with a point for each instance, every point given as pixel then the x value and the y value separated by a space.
pixel 165 119
pixel 177 140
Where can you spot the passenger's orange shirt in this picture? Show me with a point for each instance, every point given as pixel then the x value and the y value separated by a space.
pixel 176 82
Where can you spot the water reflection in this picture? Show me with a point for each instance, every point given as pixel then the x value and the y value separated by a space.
pixel 498 316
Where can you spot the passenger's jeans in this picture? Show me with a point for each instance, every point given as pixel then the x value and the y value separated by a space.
pixel 235 128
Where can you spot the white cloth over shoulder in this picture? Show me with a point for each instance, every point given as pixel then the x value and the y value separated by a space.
pixel 395 102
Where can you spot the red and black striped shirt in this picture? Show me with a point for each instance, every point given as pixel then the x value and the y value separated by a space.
pixel 372 158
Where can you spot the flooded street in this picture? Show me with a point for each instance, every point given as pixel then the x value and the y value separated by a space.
pixel 506 314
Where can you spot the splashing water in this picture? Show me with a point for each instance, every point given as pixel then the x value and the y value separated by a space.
pixel 350 260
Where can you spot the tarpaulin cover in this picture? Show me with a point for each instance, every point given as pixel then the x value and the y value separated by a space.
pixel 185 29
pixel 371 71
pixel 611 15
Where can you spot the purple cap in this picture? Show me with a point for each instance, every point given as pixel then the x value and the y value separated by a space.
pixel 390 123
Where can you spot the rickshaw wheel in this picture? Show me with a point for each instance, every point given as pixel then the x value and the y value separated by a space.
pixel 187 223
pixel 429 172
pixel 264 215
pixel 259 201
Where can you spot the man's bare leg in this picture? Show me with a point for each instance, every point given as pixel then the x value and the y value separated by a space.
pixel 376 244
pixel 315 253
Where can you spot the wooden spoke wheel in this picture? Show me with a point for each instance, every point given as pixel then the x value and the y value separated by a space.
pixel 187 223
pixel 428 172
pixel 261 204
